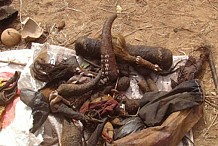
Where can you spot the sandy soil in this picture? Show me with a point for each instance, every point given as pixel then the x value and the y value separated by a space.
pixel 179 25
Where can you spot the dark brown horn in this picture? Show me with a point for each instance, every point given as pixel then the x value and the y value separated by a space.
pixel 78 89
pixel 108 61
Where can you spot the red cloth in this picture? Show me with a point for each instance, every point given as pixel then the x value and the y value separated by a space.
pixel 103 107
pixel 9 113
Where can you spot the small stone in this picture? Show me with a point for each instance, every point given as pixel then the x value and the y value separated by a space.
pixel 60 25
pixel 213 93
pixel 119 9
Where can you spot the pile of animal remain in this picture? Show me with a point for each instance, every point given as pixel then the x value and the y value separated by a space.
pixel 92 92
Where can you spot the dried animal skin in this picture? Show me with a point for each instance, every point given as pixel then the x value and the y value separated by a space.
pixel 74 101
pixel 55 98
pixel 78 79
pixel 38 102
pixel 71 135
pixel 64 110
pixel 191 69
pixel 9 90
pixel 47 72
pixel 27 96
pixel 93 140
pixel 50 133
pixel 108 61
pixel 123 54
pixel 40 111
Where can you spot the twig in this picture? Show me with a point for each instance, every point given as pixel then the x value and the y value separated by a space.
pixel 106 10
pixel 211 125
pixel 107 5
pixel 182 52
pixel 50 32
pixel 73 41
pixel 179 14
pixel 115 87
pixel 213 70
pixel 211 104
pixel 210 96
pixel 97 33
pixel 215 8
pixel 13 62
pixel 76 10
pixel 72 9
pixel 114 11
pixel 92 63
pixel 21 4
pixel 215 123
pixel 116 2
pixel 143 28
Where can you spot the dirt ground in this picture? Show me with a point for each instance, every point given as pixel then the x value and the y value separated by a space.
pixel 179 25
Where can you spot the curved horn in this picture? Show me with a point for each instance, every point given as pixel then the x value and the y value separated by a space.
pixel 78 89
pixel 108 61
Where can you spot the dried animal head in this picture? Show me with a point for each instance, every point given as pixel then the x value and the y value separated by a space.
pixel 87 47
pixel 47 72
